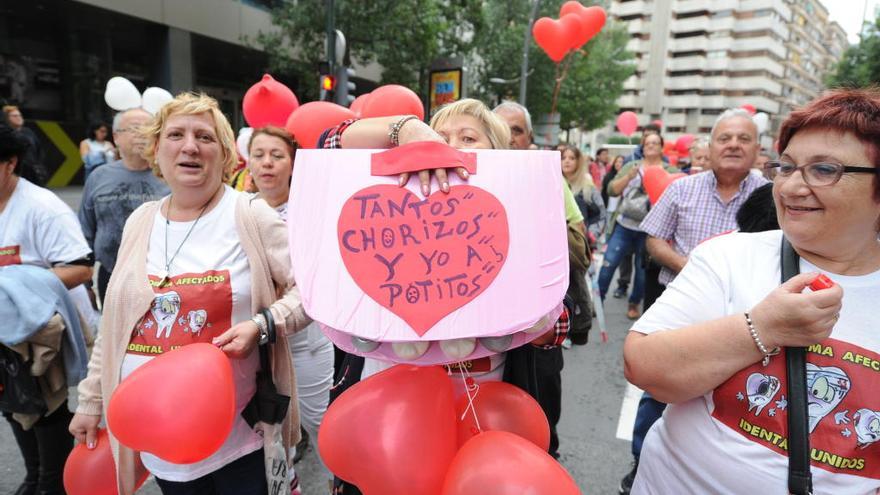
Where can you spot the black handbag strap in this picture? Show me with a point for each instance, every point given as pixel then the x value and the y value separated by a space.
pixel 800 480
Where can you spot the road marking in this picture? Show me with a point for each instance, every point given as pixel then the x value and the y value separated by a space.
pixel 628 409
pixel 72 160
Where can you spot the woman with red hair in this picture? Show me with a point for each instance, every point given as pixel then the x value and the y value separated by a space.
pixel 709 345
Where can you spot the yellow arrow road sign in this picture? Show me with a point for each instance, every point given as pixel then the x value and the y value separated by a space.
pixel 72 160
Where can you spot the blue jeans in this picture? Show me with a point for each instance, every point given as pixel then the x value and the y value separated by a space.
pixel 650 410
pixel 623 242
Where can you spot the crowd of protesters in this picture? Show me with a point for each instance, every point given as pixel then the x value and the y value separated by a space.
pixel 709 308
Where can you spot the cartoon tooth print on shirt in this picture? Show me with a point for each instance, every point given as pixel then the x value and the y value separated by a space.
pixel 189 308
pixel 761 389
pixel 842 401
pixel 867 425
pixel 164 310
pixel 196 320
pixel 826 388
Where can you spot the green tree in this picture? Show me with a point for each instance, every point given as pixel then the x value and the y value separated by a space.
pixel 594 80
pixel 403 37
pixel 860 65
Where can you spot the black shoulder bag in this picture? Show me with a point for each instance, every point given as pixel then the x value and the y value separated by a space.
pixel 800 480
pixel 19 390
pixel 267 405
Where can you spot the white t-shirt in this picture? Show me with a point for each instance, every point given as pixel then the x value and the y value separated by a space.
pixel 732 440
pixel 210 291
pixel 37 228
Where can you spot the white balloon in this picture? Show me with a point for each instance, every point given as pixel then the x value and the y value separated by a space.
pixel 244 137
pixel 761 120
pixel 155 98
pixel 121 94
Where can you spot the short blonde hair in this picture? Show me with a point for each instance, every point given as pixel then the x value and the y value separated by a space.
pixel 7 109
pixel 191 104
pixel 496 129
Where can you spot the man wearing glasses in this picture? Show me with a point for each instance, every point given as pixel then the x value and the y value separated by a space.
pixel 692 210
pixel 115 190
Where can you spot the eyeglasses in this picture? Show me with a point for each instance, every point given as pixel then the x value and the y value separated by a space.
pixel 815 174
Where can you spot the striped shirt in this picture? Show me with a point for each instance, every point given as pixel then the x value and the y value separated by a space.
pixel 691 211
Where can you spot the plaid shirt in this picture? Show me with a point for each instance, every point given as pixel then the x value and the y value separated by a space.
pixel 332 137
pixel 561 328
pixel 691 211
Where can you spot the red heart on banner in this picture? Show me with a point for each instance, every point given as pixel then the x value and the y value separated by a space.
pixel 423 258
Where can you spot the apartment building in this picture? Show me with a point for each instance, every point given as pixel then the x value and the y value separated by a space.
pixel 697 58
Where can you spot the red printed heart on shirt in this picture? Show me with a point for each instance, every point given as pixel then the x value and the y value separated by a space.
pixel 423 258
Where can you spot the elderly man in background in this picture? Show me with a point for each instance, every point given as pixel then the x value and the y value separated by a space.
pixel 115 190
pixel 692 210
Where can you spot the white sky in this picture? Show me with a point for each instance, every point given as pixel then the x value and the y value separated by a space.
pixel 848 13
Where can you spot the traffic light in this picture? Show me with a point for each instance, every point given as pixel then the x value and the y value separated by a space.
pixel 345 86
pixel 326 81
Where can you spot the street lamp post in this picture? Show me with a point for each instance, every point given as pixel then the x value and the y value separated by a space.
pixel 527 39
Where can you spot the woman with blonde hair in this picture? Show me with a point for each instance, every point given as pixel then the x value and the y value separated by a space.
pixel 187 235
pixel 587 196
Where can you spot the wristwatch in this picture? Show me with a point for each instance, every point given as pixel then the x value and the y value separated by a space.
pixel 260 321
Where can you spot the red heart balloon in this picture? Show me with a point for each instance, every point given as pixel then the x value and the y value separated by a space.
pixel 594 20
pixel 93 472
pixel 391 100
pixel 423 259
pixel 656 180
pixel 501 463
pixel 310 120
pixel 357 106
pixel 501 406
pixel 268 102
pixel 748 107
pixel 393 433
pixel 554 37
pixel 188 397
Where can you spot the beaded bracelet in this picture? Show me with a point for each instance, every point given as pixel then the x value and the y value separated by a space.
pixel 394 135
pixel 761 347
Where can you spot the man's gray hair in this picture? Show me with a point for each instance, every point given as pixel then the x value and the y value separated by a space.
pixel 117 119
pixel 731 113
pixel 512 105
pixel 700 142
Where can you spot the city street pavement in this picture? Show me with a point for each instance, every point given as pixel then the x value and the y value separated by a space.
pixel 598 411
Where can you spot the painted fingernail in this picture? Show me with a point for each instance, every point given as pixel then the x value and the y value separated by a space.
pixel 91 445
pixel 445 186
pixel 401 181
pixel 426 189
pixel 465 174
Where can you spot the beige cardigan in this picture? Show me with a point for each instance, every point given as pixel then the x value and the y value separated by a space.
pixel 263 237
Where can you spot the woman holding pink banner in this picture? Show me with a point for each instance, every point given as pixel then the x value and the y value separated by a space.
pixel 191 275
pixel 466 124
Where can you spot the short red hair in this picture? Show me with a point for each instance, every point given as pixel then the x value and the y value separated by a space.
pixel 847 110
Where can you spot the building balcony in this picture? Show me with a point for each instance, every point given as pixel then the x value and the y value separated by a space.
pixel 623 9
pixel 638 26
pixel 631 101
pixel 686 63
pixel 685 6
pixel 688 44
pixel 684 82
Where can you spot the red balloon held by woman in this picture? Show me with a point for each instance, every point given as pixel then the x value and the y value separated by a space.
pixel 268 102
pixel 501 406
pixel 188 394
pixel 93 472
pixel 627 123
pixel 308 122
pixel 501 463
pixel 392 433
pixel 391 100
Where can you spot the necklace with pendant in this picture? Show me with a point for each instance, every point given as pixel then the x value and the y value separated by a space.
pixel 164 277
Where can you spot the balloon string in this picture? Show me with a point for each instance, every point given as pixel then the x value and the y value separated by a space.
pixel 468 389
